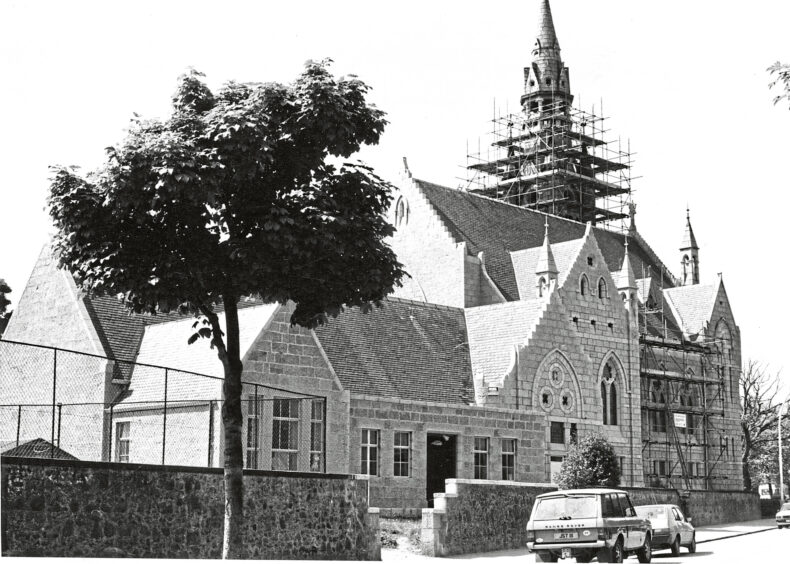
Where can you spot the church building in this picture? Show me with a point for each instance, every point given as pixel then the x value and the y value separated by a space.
pixel 534 313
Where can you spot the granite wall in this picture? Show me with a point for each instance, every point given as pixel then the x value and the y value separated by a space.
pixel 479 516
pixel 84 509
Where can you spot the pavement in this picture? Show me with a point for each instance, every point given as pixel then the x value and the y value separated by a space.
pixel 704 534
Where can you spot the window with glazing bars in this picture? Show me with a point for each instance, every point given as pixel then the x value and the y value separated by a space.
pixel 317 436
pixel 480 453
pixel 402 454
pixel 557 433
pixel 253 421
pixel 370 452
pixel 508 459
pixel 285 434
pixel 122 441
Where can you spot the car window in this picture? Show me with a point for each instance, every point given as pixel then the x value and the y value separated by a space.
pixel 651 511
pixel 680 516
pixel 625 505
pixel 785 507
pixel 566 507
pixel 676 513
pixel 610 506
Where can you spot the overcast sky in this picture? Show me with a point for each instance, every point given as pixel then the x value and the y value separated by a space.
pixel 685 81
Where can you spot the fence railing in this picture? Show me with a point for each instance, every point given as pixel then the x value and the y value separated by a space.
pixel 57 403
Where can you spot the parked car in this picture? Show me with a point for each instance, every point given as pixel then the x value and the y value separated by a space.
pixel 671 529
pixel 585 524
pixel 783 516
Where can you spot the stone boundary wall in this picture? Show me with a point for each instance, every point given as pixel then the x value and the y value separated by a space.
pixel 482 516
pixel 86 509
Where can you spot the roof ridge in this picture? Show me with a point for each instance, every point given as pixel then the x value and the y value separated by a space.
pixel 421 303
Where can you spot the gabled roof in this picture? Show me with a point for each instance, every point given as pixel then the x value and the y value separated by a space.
pixel 165 344
pixel 693 305
pixel 498 228
pixel 493 333
pixel 39 448
pixel 406 350
pixel 525 265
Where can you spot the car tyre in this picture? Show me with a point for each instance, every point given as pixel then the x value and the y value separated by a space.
pixel 675 548
pixel 545 557
pixel 645 554
pixel 614 554
pixel 693 545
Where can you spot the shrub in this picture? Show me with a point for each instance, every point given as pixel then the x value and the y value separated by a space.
pixel 590 462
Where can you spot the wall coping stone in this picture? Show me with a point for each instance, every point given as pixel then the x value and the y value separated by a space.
pixel 525 415
pixel 34 461
pixel 455 481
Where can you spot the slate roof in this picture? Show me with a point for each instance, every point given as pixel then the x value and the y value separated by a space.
pixel 39 448
pixel 493 332
pixel 693 305
pixel 525 264
pixel 498 228
pixel 406 349
pixel 165 344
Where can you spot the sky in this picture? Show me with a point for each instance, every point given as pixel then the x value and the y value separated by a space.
pixel 685 82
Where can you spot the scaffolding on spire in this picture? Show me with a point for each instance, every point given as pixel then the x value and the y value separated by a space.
pixel 555 159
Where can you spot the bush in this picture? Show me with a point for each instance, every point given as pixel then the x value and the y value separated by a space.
pixel 590 462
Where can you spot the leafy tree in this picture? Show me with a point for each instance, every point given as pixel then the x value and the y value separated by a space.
pixel 4 302
pixel 760 403
pixel 590 462
pixel 782 79
pixel 238 193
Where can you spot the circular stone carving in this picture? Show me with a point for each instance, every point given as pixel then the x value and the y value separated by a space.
pixel 556 375
pixel 566 400
pixel 546 398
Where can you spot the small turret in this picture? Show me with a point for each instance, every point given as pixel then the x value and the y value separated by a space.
pixel 546 270
pixel 626 282
pixel 689 255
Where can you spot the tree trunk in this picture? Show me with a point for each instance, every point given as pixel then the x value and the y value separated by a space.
pixel 233 539
pixel 747 450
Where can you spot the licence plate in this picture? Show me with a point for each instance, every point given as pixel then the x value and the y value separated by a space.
pixel 566 536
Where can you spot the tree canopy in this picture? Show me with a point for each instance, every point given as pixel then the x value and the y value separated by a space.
pixel 781 74
pixel 590 462
pixel 4 301
pixel 241 192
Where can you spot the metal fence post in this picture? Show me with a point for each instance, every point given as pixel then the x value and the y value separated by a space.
pixel 257 429
pixel 210 433
pixel 18 423
pixel 54 391
pixel 60 413
pixel 109 442
pixel 164 420
pixel 326 424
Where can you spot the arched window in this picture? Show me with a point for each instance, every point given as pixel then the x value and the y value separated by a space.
pixel 401 212
pixel 601 288
pixel 583 283
pixel 609 396
pixel 541 286
pixel 686 271
pixel 604 409
pixel 612 404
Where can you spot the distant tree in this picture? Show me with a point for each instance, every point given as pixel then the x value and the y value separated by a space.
pixel 781 73
pixel 590 462
pixel 238 193
pixel 4 303
pixel 760 403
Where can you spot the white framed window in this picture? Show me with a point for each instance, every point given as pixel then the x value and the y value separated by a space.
pixel 122 441
pixel 369 456
pixel 480 455
pixel 253 429
pixel 402 453
pixel 509 459
pixel 285 434
pixel 317 435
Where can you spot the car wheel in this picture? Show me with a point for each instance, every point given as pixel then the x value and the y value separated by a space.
pixel 645 554
pixel 545 557
pixel 693 545
pixel 617 551
pixel 675 548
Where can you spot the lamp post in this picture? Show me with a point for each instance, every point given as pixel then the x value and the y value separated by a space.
pixel 781 470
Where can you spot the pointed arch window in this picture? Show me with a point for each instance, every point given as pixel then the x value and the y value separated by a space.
pixel 541 286
pixel 601 288
pixel 583 285
pixel 401 212
pixel 609 407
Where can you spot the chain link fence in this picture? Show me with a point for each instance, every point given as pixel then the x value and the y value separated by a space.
pixel 56 403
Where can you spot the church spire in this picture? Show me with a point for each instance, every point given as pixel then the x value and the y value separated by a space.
pixel 546 83
pixel 626 281
pixel 546 270
pixel 689 255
